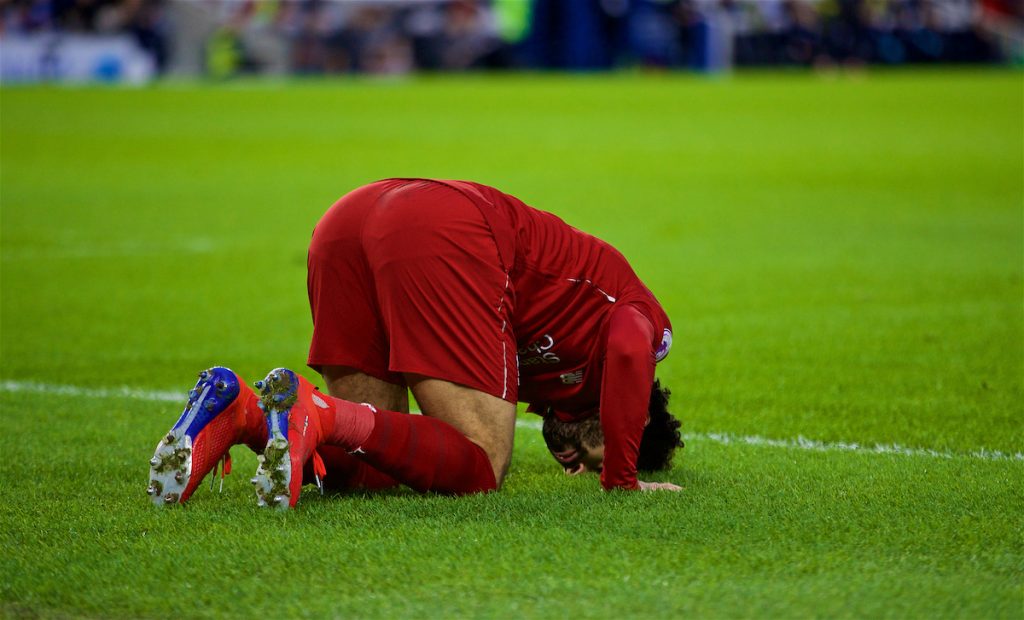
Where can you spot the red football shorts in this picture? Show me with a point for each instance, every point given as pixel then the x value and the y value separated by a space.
pixel 405 277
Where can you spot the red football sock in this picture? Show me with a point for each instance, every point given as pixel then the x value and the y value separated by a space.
pixel 421 452
pixel 347 473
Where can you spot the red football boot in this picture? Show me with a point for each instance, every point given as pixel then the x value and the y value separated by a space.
pixel 222 411
pixel 291 405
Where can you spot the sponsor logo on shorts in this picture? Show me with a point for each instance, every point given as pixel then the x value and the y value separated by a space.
pixel 319 402
pixel 539 352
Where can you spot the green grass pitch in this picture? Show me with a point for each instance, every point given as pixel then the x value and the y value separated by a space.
pixel 841 257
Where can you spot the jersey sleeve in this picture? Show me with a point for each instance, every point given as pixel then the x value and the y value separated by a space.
pixel 625 394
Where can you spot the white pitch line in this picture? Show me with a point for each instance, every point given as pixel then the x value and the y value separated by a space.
pixel 84 392
pixel 800 443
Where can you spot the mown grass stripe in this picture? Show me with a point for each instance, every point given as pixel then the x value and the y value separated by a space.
pixel 799 443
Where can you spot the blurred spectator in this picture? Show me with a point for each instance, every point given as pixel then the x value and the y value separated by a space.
pixel 25 17
pixel 799 35
pixel 193 26
pixel 368 39
pixel 585 34
pixel 1001 23
pixel 143 19
pixel 252 38
pixel 457 35
pixel 76 15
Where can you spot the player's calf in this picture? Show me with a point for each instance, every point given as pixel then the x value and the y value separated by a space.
pixel 221 412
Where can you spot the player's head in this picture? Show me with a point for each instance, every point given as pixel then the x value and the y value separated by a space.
pixel 579 446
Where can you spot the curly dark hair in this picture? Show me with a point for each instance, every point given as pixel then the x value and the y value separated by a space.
pixel 661 436
pixel 657 446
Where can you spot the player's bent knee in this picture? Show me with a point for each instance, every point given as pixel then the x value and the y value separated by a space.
pixel 497 454
pixel 500 468
pixel 487 421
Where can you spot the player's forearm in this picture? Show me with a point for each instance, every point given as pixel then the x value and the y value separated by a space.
pixel 625 394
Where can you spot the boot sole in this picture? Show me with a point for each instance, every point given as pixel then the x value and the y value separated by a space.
pixel 170 469
pixel 278 393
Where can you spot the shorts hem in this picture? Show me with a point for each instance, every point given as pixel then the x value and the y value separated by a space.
pixel 434 374
pixel 383 375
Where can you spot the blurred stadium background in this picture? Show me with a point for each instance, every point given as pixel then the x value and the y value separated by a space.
pixel 140 40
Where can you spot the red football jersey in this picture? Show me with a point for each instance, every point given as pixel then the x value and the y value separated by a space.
pixel 566 285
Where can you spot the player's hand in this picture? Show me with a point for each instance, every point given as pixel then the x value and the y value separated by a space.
pixel 658 486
